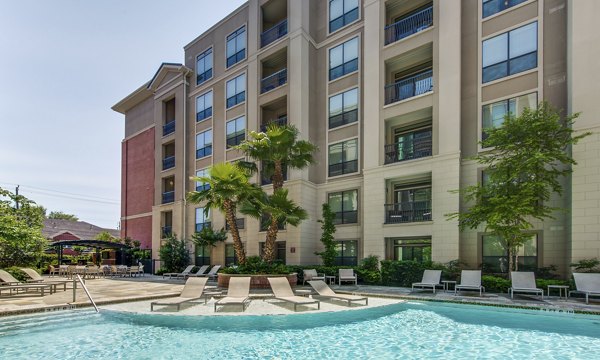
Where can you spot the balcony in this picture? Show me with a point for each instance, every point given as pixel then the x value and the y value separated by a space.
pixel 273 81
pixel 413 145
pixel 166 231
pixel 168 162
pixel 201 226
pixel 282 121
pixel 407 212
pixel 168 197
pixel 411 24
pixel 408 87
pixel 169 128
pixel 277 31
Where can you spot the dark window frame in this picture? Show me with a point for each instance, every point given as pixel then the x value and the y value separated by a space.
pixel 207 73
pixel 340 216
pixel 347 166
pixel 233 139
pixel 346 67
pixel 207 111
pixel 240 54
pixel 345 117
pixel 206 150
pixel 239 96
pixel 503 6
pixel 342 260
pixel 347 17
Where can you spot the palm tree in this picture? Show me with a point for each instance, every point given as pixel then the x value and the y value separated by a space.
pixel 276 149
pixel 228 187
pixel 281 211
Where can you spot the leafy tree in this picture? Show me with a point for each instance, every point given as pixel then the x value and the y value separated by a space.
pixel 277 148
pixel 59 215
pixel 280 210
pixel 209 237
pixel 229 186
pixel 21 240
pixel 529 154
pixel 106 236
pixel 174 254
pixel 328 226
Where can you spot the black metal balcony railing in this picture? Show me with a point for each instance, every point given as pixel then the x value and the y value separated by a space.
pixel 277 31
pixel 168 162
pixel 167 231
pixel 408 87
pixel 346 217
pixel 346 167
pixel 273 81
pixel 405 212
pixel 169 128
pixel 279 121
pixel 417 147
pixel 201 226
pixel 409 25
pixel 168 197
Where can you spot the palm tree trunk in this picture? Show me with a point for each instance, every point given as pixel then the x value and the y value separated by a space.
pixel 269 250
pixel 235 233
pixel 277 176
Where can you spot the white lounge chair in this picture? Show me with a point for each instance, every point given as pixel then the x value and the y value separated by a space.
pixel 523 282
pixel 325 291
pixel 431 279
pixel 8 282
pixel 37 278
pixel 238 293
pixel 184 273
pixel 470 280
pixel 311 274
pixel 588 284
pixel 200 272
pixel 283 291
pixel 347 275
pixel 192 291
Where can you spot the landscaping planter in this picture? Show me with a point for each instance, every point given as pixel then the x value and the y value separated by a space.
pixel 256 281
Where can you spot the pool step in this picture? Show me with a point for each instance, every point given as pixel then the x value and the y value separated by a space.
pixel 10 325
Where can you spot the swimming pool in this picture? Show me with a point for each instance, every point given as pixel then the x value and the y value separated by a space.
pixel 407 330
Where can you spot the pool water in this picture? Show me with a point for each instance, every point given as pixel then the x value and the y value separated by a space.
pixel 407 330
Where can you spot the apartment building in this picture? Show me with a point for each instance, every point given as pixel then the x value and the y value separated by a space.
pixel 396 94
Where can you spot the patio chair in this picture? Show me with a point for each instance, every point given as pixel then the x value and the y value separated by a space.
pixel 523 282
pixel 588 284
pixel 212 274
pixel 311 274
pixel 325 291
pixel 238 293
pixel 470 280
pixel 8 282
pixel 52 270
pixel 347 275
pixel 133 271
pixel 200 272
pixel 283 291
pixel 183 273
pixel 192 290
pixel 63 270
pixel 431 279
pixel 37 278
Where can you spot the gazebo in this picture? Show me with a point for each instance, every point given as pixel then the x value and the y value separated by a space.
pixel 97 244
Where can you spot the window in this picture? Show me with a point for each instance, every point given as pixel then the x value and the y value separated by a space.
pixel 201 186
pixel 204 105
pixel 342 13
pixel 494 114
pixel 202 218
pixel 236 46
pixel 236 90
pixel 204 66
pixel 346 253
pixel 491 7
pixel 204 144
pixel 343 59
pixel 510 53
pixel 495 257
pixel 418 249
pixel 236 131
pixel 343 158
pixel 203 255
pixel 279 250
pixel 412 203
pixel 240 222
pixel 265 222
pixel 343 108
pixel 345 206
pixel 230 256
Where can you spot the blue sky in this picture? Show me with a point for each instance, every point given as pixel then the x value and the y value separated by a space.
pixel 64 63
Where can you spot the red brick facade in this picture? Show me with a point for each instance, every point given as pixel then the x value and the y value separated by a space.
pixel 137 184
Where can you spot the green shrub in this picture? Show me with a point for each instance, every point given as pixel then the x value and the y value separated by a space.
pixel 586 265
pixel 256 265
pixel 402 273
pixel 495 284
pixel 174 254
pixel 16 272
pixel 368 271
pixel 543 283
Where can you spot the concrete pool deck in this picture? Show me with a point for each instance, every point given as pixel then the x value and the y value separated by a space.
pixel 111 291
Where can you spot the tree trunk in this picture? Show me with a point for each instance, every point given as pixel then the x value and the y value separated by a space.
pixel 277 176
pixel 510 260
pixel 240 253
pixel 517 259
pixel 269 249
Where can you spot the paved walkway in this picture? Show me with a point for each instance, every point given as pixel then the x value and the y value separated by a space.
pixel 119 290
